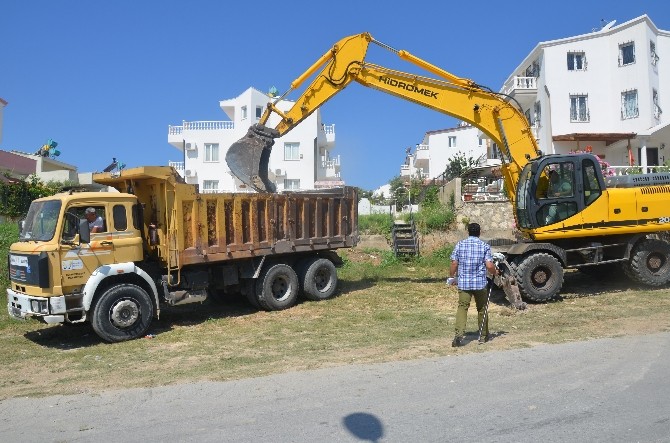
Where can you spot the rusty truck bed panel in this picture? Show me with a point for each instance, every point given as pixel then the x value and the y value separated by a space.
pixel 198 227
pixel 216 227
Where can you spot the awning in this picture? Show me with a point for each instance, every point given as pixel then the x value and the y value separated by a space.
pixel 607 137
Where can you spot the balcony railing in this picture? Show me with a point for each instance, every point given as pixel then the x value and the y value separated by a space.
pixel 201 126
pixel 331 164
pixel 179 166
pixel 329 129
pixel 520 83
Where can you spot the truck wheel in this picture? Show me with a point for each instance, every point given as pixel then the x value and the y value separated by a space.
pixel 123 312
pixel 319 279
pixel 649 263
pixel 277 287
pixel 539 277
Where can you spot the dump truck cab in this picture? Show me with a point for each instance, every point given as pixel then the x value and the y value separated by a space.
pixel 57 264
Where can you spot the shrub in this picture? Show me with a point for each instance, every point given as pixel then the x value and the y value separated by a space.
pixel 435 217
pixel 9 233
pixel 374 224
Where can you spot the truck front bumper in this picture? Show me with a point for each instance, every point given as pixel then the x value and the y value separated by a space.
pixel 48 309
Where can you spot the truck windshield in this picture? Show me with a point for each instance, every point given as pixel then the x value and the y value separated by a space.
pixel 40 223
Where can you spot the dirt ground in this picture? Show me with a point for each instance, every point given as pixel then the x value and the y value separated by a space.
pixel 576 284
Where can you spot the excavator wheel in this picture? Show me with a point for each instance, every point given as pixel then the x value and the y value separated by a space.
pixel 539 276
pixel 649 263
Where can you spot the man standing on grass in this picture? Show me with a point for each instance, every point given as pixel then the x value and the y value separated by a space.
pixel 471 258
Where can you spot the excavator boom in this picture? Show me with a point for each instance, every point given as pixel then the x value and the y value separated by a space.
pixel 345 62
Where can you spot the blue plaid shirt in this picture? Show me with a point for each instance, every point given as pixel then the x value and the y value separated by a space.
pixel 471 255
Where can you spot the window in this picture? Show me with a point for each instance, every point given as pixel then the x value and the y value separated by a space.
pixel 579 111
pixel 120 218
pixel 137 215
pixel 211 152
pixel 537 113
pixel 291 184
pixel 591 186
pixel 576 61
pixel 291 151
pixel 654 100
pixel 629 107
pixel 533 70
pixel 480 141
pixel 452 141
pixel 210 186
pixel 244 112
pixel 626 53
pixel 652 51
pixel 259 111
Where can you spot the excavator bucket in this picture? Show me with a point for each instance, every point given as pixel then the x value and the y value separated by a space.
pixel 249 157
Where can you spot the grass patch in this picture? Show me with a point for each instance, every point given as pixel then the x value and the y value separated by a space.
pixel 385 310
pixel 375 224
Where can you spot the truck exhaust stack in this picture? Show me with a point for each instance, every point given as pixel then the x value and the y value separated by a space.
pixel 249 157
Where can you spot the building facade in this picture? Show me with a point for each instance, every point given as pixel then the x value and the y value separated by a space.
pixel 601 92
pixel 431 157
pixel 301 159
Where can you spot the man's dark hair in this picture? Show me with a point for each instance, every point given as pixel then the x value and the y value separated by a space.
pixel 474 229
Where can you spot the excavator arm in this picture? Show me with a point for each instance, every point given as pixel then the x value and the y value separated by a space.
pixel 344 63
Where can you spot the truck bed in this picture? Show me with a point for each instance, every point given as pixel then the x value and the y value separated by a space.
pixel 196 227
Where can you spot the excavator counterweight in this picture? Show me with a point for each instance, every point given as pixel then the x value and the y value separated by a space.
pixel 249 157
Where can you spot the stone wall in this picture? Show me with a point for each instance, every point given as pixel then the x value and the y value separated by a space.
pixel 495 217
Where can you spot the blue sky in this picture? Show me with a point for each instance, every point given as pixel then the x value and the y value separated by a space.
pixel 105 79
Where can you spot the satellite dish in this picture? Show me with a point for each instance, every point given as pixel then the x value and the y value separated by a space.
pixel 608 25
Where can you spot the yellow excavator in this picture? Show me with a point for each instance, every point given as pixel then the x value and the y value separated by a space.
pixel 568 213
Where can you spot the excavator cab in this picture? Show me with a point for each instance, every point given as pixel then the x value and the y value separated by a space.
pixel 554 188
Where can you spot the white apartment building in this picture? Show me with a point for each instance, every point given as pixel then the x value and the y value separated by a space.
pixel 602 91
pixel 432 155
pixel 301 159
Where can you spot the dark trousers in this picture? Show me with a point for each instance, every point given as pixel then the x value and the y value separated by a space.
pixel 464 297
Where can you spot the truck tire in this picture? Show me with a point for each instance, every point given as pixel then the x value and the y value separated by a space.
pixel 277 287
pixel 649 263
pixel 122 312
pixel 319 279
pixel 539 277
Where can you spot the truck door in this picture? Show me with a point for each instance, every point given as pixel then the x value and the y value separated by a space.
pixel 124 233
pixel 79 260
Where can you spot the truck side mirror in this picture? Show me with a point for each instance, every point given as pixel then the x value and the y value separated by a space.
pixel 84 232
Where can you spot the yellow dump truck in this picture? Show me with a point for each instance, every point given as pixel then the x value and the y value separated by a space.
pixel 116 258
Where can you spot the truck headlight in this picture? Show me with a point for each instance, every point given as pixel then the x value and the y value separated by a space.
pixel 39 306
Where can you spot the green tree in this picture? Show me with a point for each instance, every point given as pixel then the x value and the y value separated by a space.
pixel 458 164
pixel 362 193
pixel 16 195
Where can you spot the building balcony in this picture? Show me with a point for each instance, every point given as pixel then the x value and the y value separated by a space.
pixel 331 167
pixel 523 89
pixel 179 166
pixel 177 134
pixel 422 157
pixel 329 130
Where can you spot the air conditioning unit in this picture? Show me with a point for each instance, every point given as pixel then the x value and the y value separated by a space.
pixel 279 173
pixel 190 173
pixel 190 146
